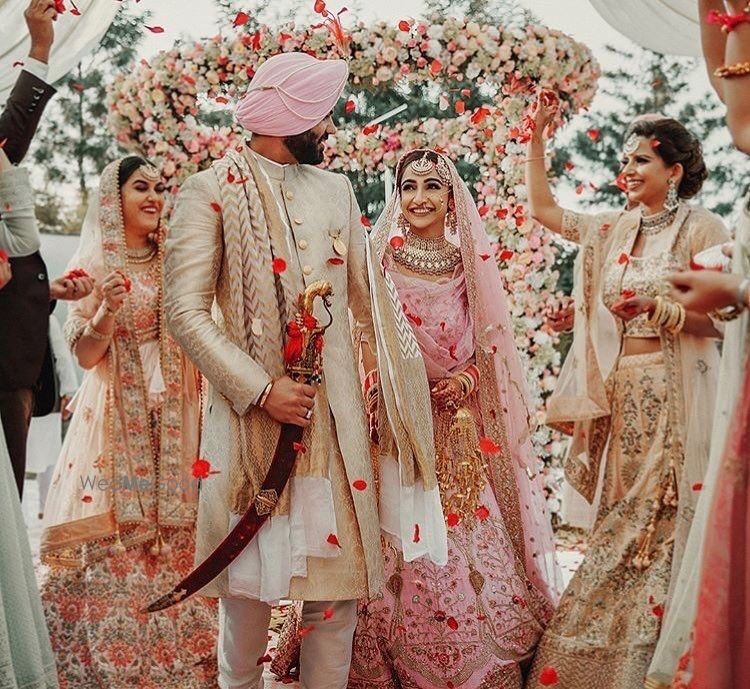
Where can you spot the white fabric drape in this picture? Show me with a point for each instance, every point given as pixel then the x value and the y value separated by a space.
pixel 666 26
pixel 74 37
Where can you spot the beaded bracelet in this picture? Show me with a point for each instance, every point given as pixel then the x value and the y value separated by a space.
pixel 738 69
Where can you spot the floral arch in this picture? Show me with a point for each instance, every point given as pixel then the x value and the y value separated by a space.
pixel 482 76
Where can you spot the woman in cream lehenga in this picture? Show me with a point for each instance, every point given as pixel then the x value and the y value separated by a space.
pixel 474 622
pixel 636 393
pixel 119 519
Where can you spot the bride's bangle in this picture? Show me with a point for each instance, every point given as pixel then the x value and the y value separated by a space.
pixel 94 334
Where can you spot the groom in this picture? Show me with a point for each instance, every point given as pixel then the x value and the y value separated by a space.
pixel 246 237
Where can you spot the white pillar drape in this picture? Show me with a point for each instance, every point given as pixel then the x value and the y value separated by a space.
pixel 665 26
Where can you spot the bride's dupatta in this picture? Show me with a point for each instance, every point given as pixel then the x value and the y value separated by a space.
pixel 513 472
pixel 124 472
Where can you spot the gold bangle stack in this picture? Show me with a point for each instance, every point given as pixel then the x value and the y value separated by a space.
pixel 94 334
pixel 738 69
pixel 668 315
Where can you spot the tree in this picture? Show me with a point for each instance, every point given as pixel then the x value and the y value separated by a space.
pixel 493 12
pixel 74 142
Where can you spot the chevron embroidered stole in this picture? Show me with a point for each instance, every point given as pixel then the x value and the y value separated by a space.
pixel 404 390
pixel 262 303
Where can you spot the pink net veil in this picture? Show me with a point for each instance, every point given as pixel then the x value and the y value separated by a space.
pixel 514 472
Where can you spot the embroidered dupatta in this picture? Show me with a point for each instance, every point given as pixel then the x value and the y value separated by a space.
pixel 145 463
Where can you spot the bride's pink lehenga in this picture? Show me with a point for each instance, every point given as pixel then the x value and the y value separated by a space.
pixel 720 656
pixel 473 622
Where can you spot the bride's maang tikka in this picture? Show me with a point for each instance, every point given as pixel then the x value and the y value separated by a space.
pixel 631 144
pixel 424 166
pixel 151 173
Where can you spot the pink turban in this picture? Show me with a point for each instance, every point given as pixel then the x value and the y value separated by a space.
pixel 291 93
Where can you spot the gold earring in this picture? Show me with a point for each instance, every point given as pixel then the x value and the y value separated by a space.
pixel 451 220
pixel 403 224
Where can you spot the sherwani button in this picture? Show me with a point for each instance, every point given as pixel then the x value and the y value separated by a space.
pixel 302 244
pixel 297 221
pixel 307 270
pixel 289 195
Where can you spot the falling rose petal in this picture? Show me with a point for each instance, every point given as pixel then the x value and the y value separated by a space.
pixel 278 265
pixel 465 92
pixel 59 6
pixel 593 134
pixel 481 513
pixel 299 447
pixel 264 659
pixel 548 676
pixel 75 11
pixel 697 486
pixel 302 632
pixel 627 293
pixel 365 221
pixel 579 189
pixel 396 242
pixel 216 206
pixel 436 67
pixel 658 611
pixel 87 499
pixel 333 539
pixel 604 228
pixel 230 177
pixel 350 107
pixel 452 623
pixel 484 257
pixel 416 538
pixel 460 107
pixel 452 352
pixel 442 326
pixel 336 261
pixel 18 63
pixel 623 259
pixel 76 86
pixel 452 519
pixel 241 19
pixel 328 613
pixel 155 29
pixel 506 255
pixel 201 468
pixel 404 25
pixel 359 484
pixel 569 167
pixel 222 100
pixel 655 143
pixel 370 129
pixel 488 446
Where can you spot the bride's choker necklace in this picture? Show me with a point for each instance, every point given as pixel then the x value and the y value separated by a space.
pixel 427 255
pixel 653 224
pixel 140 255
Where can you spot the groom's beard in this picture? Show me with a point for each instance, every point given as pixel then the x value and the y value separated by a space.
pixel 306 148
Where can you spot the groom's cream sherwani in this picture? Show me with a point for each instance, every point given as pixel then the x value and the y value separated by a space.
pixel 316 207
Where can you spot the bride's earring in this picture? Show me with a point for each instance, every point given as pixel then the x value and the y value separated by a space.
pixel 403 224
pixel 451 220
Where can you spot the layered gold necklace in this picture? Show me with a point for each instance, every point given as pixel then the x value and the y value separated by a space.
pixel 427 255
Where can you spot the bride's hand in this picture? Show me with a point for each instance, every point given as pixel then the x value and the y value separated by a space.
pixel 447 393
pixel 628 309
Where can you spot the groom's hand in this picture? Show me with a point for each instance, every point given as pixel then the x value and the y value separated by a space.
pixel 290 402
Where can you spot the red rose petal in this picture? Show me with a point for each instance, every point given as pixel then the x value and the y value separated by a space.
pixel 489 446
pixel 481 513
pixel 201 468
pixel 241 19
pixel 506 255
pixel 336 261
pixel 623 259
pixel 403 25
pixel 579 189
pixel 627 293
pixel 396 242
pixel 359 484
pixel 452 623
pixel 230 177
pixel 452 352
pixel 333 539
pixel 223 100
pixel 302 632
pixel 658 611
pixel 484 257
pixel 59 6
pixel 416 538
pixel 155 29
pixel 548 676
pixel 452 519
pixel 593 134
pixel 350 107
pixel 442 326
pixel 328 613
pixel 697 487
pixel 436 67
pixel 365 221
pixel 460 107
pixel 569 167
pixel 370 129
pixel 264 659
pixel 87 499
pixel 216 206
pixel 278 265
pixel 299 447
